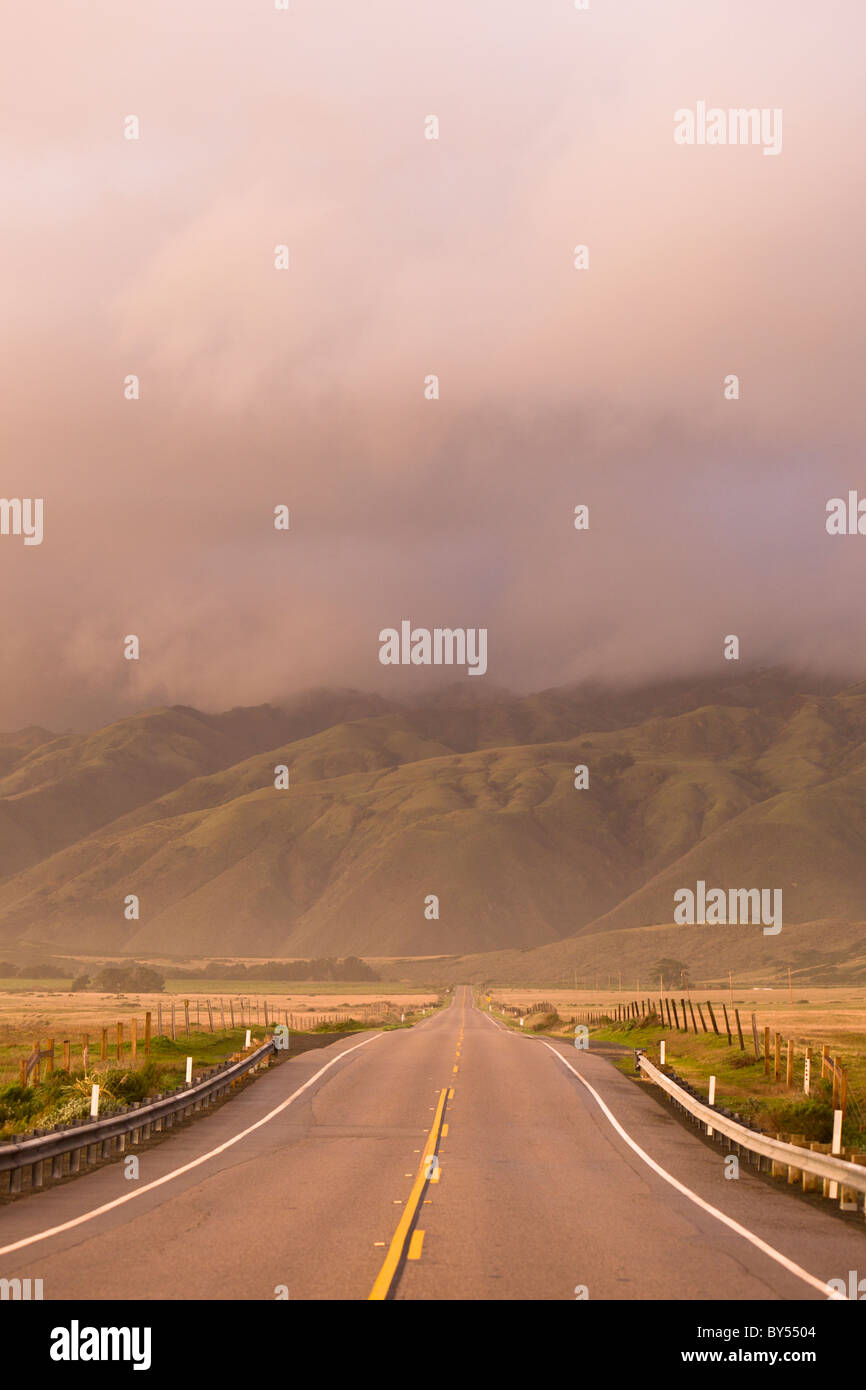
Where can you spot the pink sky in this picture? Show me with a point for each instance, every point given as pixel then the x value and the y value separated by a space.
pixel 411 257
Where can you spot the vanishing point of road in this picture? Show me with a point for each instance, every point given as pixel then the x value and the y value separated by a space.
pixel 453 1160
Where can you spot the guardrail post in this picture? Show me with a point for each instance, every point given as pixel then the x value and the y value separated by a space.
pixel 795 1174
pixel 811 1183
pixel 851 1192
pixel 777 1169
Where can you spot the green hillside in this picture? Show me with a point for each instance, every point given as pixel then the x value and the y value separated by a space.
pixel 756 781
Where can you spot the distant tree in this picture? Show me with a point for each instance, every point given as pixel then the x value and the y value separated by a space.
pixel 673 973
pixel 41 970
pixel 114 979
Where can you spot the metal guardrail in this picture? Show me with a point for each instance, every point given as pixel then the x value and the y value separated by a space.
pixel 138 1119
pixel 820 1165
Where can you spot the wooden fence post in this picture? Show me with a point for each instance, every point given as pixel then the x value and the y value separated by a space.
pixel 789 1064
pixel 120 1042
pixel 173 1031
pixel 740 1033
pixel 210 1015
pixel 159 1018
pixel 767 1051
pixel 22 1071
pixel 703 1020
pixel 66 1054
pixel 49 1059
pixel 777 1059
pixel 36 1064
pixel 103 1054
pixel 727 1023
pixel 133 1037
pixel 85 1051
pixel 147 1034
pixel 713 1018
pixel 232 1012
pixel 186 1014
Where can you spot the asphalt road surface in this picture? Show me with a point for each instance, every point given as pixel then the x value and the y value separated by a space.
pixel 528 1184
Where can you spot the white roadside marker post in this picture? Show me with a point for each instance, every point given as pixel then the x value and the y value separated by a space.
pixel 662 1053
pixel 712 1099
pixel 94 1102
pixel 247 1043
pixel 188 1070
pixel 835 1148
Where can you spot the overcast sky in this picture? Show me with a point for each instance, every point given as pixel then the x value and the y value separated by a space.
pixel 408 257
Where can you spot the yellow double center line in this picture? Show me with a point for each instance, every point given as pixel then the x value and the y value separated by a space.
pixel 385 1277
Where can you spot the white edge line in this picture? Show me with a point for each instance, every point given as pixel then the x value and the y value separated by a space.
pixel 693 1196
pixel 196 1162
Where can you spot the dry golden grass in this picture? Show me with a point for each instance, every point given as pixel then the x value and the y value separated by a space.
pixel 45 1014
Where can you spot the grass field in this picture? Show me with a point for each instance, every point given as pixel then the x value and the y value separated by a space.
pixel 28 1015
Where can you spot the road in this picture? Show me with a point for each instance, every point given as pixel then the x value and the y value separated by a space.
pixel 539 1193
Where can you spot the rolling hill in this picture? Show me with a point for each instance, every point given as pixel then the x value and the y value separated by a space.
pixel 755 780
